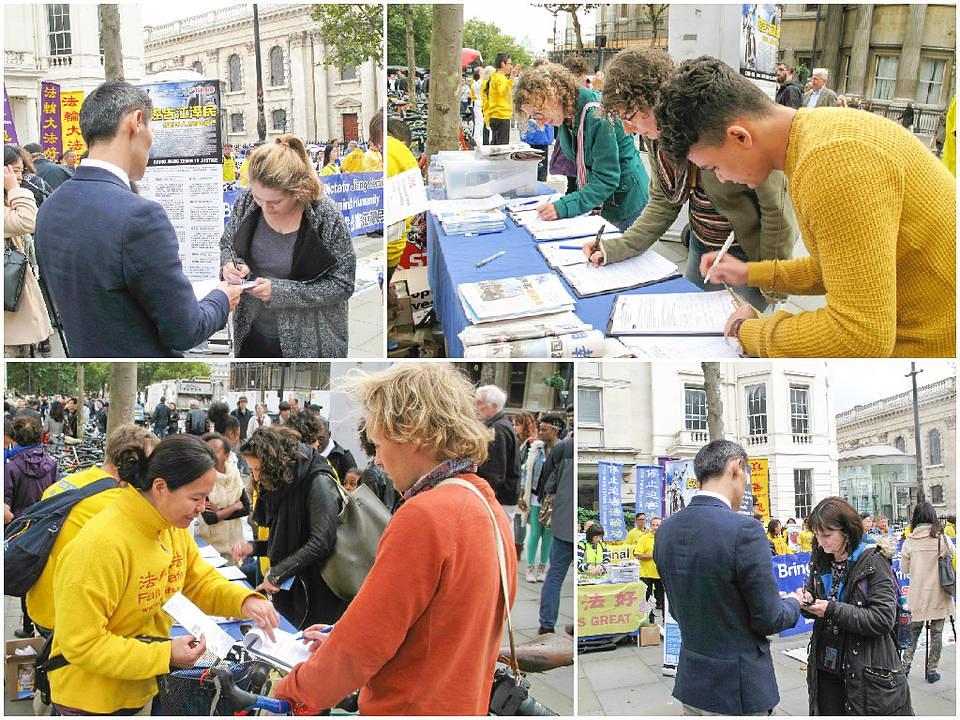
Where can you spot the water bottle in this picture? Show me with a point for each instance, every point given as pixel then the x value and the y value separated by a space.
pixel 435 181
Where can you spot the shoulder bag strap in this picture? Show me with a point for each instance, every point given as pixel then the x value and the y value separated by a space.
pixel 581 163
pixel 501 557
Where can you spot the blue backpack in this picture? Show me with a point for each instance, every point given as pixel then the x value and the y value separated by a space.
pixel 28 539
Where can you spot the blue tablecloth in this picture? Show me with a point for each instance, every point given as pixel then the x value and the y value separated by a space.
pixel 453 260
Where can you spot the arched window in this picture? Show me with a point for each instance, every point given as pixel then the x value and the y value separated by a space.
pixel 234 73
pixel 900 444
pixel 198 66
pixel 933 441
pixel 279 119
pixel 276 66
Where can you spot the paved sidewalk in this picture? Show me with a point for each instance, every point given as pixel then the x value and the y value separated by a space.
pixel 629 681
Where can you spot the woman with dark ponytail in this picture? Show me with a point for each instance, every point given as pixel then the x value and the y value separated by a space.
pixel 294 246
pixel 111 583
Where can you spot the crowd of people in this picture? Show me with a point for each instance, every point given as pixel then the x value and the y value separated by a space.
pixel 713 564
pixel 266 492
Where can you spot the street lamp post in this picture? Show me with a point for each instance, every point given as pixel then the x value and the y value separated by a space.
pixel 261 120
pixel 916 429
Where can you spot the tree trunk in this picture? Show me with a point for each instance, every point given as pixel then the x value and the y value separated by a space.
pixel 112 49
pixel 411 51
pixel 576 30
pixel 711 384
pixel 123 393
pixel 81 377
pixel 443 119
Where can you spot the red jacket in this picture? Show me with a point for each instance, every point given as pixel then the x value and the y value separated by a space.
pixel 423 634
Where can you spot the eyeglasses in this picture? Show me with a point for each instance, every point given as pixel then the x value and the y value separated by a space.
pixel 616 115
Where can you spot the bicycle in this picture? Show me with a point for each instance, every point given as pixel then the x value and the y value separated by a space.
pixel 219 690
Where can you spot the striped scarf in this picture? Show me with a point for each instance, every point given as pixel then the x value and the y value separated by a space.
pixel 447 469
pixel 678 186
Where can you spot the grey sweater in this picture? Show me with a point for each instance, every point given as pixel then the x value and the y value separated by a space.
pixel 311 313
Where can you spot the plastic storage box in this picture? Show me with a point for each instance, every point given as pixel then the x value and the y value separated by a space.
pixel 469 176
pixel 625 572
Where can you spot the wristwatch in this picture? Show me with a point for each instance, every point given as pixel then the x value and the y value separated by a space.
pixel 735 330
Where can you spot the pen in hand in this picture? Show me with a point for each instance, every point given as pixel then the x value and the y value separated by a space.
pixel 723 251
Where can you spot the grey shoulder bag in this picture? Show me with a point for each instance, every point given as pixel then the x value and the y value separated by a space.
pixel 359 526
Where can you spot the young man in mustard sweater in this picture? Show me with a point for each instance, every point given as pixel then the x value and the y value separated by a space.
pixel 876 211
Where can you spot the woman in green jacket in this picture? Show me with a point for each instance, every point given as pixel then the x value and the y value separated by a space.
pixel 610 174
pixel 761 219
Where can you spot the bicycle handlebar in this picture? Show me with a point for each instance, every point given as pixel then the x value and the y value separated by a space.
pixel 243 700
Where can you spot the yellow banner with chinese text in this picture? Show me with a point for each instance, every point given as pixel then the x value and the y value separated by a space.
pixel 610 609
pixel 760 485
pixel 70 103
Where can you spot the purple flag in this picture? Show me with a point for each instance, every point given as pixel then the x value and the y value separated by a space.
pixel 9 131
pixel 51 134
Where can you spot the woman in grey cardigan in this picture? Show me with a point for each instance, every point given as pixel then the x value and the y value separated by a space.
pixel 293 248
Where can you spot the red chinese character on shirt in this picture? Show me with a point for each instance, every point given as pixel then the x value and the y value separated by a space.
pixel 148 581
pixel 176 561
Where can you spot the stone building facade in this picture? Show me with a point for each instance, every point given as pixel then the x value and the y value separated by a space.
pixel 300 95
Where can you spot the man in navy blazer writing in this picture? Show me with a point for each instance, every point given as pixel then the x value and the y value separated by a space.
pixel 109 256
pixel 716 570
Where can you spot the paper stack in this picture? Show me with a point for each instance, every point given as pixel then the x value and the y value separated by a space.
pixel 640 270
pixel 578 345
pixel 695 313
pixel 494 202
pixel 515 297
pixel 507 331
pixel 531 203
pixel 582 226
pixel 464 222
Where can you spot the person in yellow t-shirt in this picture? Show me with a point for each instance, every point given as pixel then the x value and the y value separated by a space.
pixel 950 529
pixel 806 537
pixel 648 569
pixel 633 537
pixel 114 577
pixel 331 153
pixel 229 164
pixel 778 541
pixel 499 107
pixel 353 160
pixel 399 159
pixel 949 152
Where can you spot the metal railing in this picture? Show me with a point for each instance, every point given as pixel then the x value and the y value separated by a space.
pixel 940 389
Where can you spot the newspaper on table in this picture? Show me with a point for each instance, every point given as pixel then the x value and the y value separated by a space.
pixel 644 269
pixel 694 313
pixel 494 202
pixel 578 345
pixel 565 323
pixel 515 297
pixel 653 347
pixel 471 221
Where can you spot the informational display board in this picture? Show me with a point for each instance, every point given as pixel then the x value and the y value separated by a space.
pixel 185 123
pixel 681 485
pixel 610 478
pixel 649 490
pixel 760 41
pixel 192 197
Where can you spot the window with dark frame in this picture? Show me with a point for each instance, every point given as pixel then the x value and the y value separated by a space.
pixel 757 409
pixel 936 494
pixel 58 26
pixel 279 119
pixel 802 491
pixel 233 70
pixel 236 122
pixel 933 442
pixel 900 444
pixel 694 407
pixel 517 388
pixel 276 66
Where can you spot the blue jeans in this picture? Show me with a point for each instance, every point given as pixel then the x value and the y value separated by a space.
pixel 561 555
pixel 697 250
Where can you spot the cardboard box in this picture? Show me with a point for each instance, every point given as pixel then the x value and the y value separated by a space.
pixel 649 635
pixel 19 669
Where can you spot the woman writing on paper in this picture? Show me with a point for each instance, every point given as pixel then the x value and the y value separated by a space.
pixel 298 501
pixel 294 246
pixel 610 173
pixel 761 220
pixel 112 580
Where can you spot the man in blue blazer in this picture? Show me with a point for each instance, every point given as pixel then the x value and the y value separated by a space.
pixel 109 256
pixel 716 570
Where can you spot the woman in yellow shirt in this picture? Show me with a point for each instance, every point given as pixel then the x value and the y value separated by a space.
pixel 778 541
pixel 331 153
pixel 806 537
pixel 111 583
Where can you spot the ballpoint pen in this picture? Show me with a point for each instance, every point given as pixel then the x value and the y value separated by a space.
pixel 738 301
pixel 716 260
pixel 491 258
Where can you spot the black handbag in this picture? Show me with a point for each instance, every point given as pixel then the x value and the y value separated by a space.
pixel 948 576
pixel 14 274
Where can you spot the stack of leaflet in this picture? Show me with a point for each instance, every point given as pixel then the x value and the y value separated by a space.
pixel 515 297
pixel 494 202
pixel 580 227
pixel 555 335
pixel 514 151
pixel 676 314
pixel 531 203
pixel 578 345
pixel 469 222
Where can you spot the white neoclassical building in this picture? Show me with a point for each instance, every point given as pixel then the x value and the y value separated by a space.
pixel 635 413
pixel 60 42
pixel 300 95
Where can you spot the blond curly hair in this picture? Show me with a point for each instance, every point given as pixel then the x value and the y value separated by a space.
pixel 428 405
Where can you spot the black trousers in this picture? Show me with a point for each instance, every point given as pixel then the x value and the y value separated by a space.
pixel 542 167
pixel 499 131
pixel 256 345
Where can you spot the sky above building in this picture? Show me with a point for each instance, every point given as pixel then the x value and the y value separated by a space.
pixel 524 20
pixel 858 382
pixel 158 13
